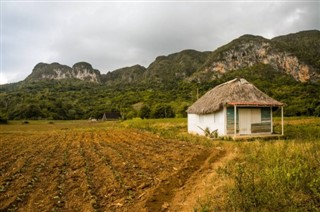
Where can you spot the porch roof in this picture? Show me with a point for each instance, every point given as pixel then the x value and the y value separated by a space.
pixel 254 104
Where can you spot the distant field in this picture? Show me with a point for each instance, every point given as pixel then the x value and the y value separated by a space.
pixel 152 165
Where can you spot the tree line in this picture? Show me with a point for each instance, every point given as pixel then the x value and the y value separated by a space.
pixel 75 99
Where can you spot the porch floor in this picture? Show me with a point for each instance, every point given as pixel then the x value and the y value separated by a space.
pixel 256 136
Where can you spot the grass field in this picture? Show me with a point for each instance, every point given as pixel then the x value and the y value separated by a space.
pixel 154 165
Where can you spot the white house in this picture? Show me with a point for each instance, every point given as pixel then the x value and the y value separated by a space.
pixel 234 100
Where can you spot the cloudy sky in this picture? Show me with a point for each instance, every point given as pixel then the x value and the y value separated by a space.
pixel 114 34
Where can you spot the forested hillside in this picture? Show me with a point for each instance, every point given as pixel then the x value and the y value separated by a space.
pixel 286 68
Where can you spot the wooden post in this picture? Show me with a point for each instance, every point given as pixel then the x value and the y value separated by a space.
pixel 197 93
pixel 271 119
pixel 282 127
pixel 235 120
pixel 225 120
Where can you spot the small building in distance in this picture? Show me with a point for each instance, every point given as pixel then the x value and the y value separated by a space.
pixel 111 116
pixel 237 100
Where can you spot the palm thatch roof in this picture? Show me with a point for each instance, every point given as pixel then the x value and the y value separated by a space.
pixel 234 92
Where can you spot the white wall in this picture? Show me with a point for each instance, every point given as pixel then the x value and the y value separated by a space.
pixel 212 121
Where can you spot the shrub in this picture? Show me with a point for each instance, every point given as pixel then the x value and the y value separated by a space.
pixel 3 120
pixel 162 111
pixel 145 112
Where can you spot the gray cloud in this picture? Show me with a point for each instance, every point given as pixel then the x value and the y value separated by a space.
pixel 111 35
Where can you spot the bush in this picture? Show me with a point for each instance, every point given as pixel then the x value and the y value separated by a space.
pixel 144 112
pixel 3 120
pixel 162 111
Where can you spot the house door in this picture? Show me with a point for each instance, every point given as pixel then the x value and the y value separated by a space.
pixel 244 121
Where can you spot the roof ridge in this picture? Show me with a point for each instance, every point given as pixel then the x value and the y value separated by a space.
pixel 230 81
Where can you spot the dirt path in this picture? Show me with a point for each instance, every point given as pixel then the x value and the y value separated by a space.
pixel 204 182
pixel 182 190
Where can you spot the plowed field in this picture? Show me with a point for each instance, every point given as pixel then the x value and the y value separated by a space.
pixel 93 170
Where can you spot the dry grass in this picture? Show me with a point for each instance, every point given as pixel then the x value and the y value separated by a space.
pixel 279 175
pixel 273 175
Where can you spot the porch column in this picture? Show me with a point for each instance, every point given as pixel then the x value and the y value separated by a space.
pixel 271 119
pixel 235 120
pixel 282 128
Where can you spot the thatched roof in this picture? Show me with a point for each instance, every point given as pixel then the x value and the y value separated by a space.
pixel 234 92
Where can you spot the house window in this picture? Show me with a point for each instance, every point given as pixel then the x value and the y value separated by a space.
pixel 255 115
pixel 230 115
pixel 265 114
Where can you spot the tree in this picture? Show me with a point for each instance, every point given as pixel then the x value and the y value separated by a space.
pixel 127 113
pixel 144 112
pixel 162 111
pixel 180 109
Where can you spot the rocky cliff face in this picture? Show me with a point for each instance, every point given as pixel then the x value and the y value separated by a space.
pixel 177 66
pixel 248 51
pixel 55 71
pixel 125 75
pixel 297 55
pixel 84 71
pixel 173 67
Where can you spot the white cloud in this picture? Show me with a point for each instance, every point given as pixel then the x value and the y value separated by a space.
pixel 111 35
pixel 3 79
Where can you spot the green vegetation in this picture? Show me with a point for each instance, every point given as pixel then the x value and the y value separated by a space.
pixel 273 175
pixel 176 66
pixel 278 175
pixel 66 99
pixel 3 121
pixel 75 99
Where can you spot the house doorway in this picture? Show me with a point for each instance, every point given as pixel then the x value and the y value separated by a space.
pixel 244 121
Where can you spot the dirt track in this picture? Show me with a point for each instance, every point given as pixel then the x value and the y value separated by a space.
pixel 117 170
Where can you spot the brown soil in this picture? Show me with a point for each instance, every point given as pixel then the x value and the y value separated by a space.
pixel 103 170
pixel 204 183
